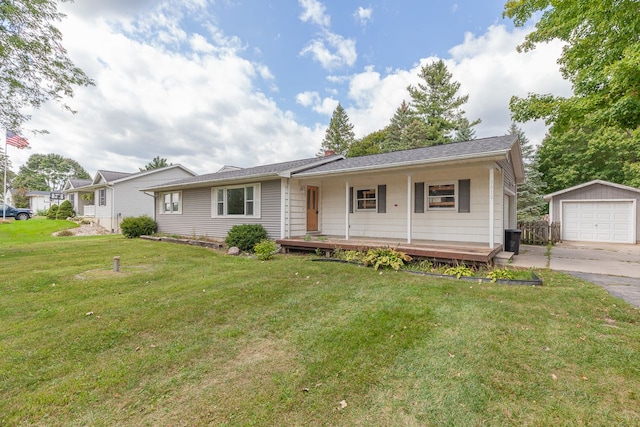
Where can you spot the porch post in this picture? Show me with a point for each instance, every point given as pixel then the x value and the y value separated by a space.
pixel 409 202
pixel 346 211
pixel 491 207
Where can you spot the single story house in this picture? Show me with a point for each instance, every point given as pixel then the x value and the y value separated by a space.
pixel 460 193
pixel 42 200
pixel 596 211
pixel 117 195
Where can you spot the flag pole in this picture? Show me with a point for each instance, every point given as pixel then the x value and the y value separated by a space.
pixel 4 193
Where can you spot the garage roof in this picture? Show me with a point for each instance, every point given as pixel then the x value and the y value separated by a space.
pixel 587 184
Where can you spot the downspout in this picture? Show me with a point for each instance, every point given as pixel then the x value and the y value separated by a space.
pixel 284 211
pixel 113 206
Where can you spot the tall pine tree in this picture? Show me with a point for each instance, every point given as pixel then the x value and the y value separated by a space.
pixel 530 201
pixel 436 102
pixel 339 135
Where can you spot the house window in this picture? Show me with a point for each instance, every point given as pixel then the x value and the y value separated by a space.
pixel 72 199
pixel 442 196
pixel 171 203
pixel 366 199
pixel 102 197
pixel 236 201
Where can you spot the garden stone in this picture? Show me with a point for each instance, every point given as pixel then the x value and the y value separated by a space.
pixel 235 251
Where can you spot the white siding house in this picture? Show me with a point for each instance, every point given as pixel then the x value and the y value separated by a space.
pixel 459 192
pixel 117 195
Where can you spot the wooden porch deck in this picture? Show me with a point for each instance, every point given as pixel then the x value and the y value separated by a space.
pixel 437 250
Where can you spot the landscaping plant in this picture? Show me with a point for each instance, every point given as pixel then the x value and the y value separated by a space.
pixel 246 236
pixel 265 249
pixel 133 227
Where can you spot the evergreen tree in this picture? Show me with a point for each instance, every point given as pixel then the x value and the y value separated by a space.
pixel 156 163
pixel 397 135
pixel 339 135
pixel 530 201
pixel 436 102
pixel 465 132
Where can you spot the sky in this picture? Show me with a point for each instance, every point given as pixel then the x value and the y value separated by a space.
pixel 208 83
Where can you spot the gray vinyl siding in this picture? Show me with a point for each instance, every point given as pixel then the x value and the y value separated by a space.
pixel 597 192
pixel 509 176
pixel 196 220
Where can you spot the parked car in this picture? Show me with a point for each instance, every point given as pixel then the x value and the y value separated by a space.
pixel 9 211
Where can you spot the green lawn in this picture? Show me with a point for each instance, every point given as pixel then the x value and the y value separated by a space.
pixel 189 336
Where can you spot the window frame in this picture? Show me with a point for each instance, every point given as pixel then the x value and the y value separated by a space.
pixel 429 197
pixel 102 197
pixel 172 203
pixel 220 208
pixel 358 199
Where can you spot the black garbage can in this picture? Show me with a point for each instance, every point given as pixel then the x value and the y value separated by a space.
pixel 512 241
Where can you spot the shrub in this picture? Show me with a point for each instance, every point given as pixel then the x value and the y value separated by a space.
pixel 501 273
pixel 385 257
pixel 264 249
pixel 64 233
pixel 133 227
pixel 459 271
pixel 246 236
pixel 52 212
pixel 65 210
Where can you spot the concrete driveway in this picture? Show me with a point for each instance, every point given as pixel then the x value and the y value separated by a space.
pixel 614 267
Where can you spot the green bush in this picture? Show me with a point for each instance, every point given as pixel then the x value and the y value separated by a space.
pixel 133 227
pixel 385 257
pixel 246 236
pixel 265 249
pixel 52 212
pixel 65 210
pixel 459 271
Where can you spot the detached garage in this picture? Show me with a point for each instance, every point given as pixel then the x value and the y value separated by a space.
pixel 598 211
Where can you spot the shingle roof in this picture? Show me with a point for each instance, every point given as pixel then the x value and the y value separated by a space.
pixel 79 182
pixel 110 176
pixel 274 169
pixel 458 150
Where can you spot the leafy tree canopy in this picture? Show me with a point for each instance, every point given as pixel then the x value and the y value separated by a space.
pixel 339 135
pixel 35 67
pixel 594 133
pixel 368 145
pixel 156 163
pixel 48 172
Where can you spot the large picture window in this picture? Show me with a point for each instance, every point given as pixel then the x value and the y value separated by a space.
pixel 171 203
pixel 366 199
pixel 442 196
pixel 236 201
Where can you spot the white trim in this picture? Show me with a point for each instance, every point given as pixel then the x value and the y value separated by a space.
pixel 346 222
pixel 373 188
pixel 256 201
pixel 409 209
pixel 587 184
pixel 284 212
pixel 633 219
pixel 491 207
pixel 454 208
pixel 162 203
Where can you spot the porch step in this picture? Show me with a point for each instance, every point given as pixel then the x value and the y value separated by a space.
pixel 503 258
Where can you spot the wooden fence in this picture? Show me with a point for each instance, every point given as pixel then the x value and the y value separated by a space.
pixel 539 232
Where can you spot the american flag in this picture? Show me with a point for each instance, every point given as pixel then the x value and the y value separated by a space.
pixel 16 140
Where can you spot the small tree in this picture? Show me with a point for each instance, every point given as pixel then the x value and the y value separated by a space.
pixel 339 135
pixel 52 212
pixel 65 210
pixel 156 163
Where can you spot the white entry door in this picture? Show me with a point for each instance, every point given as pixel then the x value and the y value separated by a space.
pixel 598 221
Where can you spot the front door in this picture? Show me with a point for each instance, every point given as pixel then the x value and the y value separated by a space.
pixel 312 208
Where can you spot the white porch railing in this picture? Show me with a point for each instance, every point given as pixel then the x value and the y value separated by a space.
pixel 89 210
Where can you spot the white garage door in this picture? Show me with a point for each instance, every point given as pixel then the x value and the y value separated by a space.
pixel 598 221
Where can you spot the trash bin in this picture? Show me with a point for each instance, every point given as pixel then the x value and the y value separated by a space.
pixel 512 241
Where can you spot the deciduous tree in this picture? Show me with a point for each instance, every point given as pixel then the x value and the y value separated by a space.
pixel 47 172
pixel 35 66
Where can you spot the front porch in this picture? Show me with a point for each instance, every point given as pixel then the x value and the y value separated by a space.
pixel 436 250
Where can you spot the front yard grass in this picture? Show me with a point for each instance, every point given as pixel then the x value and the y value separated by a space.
pixel 188 336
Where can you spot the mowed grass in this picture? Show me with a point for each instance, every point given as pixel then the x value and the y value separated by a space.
pixel 189 336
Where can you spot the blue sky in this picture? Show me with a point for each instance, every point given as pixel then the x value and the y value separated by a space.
pixel 248 82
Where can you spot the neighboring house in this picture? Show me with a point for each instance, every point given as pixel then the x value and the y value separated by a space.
pixel 117 195
pixel 41 200
pixel 460 192
pixel 83 206
pixel 596 211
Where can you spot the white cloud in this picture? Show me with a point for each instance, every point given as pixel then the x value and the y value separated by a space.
pixel 320 105
pixel 308 99
pixel 363 15
pixel 314 11
pixel 488 68
pixel 332 51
